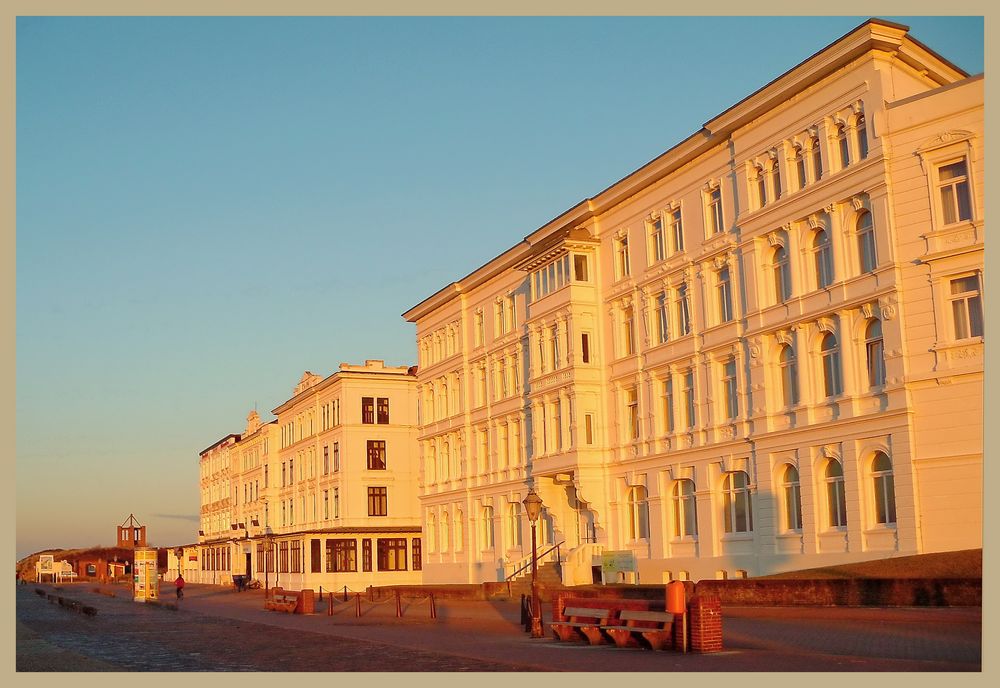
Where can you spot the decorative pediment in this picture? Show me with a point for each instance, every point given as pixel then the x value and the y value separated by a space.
pixel 831 451
pixel 783 337
pixel 776 238
pixel 826 325
pixel 867 311
pixel 945 139
pixel 859 202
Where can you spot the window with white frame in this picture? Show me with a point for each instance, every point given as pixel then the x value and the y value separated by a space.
pixel 775 180
pixel 823 259
pixel 638 513
pixel 689 398
pixel 788 367
pixel 714 211
pixel 622 265
pixel 792 502
pixel 445 532
pixel 656 240
pixel 966 307
pixel 862 136
pixel 732 404
pixel 844 146
pixel 836 498
pixel 865 230
pixel 662 318
pixel 760 183
pixel 883 489
pixel 817 160
pixel 632 413
pixel 668 404
pixel 676 230
pixel 514 524
pixel 875 354
pixel 832 377
pixel 628 331
pixel 737 510
pixel 800 167
pixel 954 191
pixel 479 329
pixel 459 530
pixel 725 292
pixel 684 509
pixel 683 310
pixel 487 528
pixel 782 275
pixel 432 533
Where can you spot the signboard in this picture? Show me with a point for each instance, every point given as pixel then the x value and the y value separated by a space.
pixel 619 566
pixel 46 563
pixel 145 579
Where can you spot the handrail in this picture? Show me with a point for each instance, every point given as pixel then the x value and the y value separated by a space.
pixel 550 549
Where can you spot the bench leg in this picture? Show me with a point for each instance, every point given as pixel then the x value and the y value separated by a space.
pixel 658 639
pixel 622 637
pixel 593 634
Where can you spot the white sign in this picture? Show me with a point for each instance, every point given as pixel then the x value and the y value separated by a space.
pixel 618 560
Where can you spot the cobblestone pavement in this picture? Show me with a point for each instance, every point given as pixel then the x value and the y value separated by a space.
pixel 216 629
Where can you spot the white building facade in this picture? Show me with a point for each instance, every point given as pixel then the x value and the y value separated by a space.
pixel 762 351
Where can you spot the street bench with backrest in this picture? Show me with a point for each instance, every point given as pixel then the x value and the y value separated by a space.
pixel 282 602
pixel 586 621
pixel 655 628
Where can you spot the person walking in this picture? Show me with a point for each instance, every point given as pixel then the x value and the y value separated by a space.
pixel 179 583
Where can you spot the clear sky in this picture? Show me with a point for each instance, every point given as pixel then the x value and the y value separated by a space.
pixel 207 207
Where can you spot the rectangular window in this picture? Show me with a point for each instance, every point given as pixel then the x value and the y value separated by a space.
pixel 588 422
pixel 580 268
pixel 336 457
pixel 326 459
pixel 391 554
pixel 376 455
pixel 479 330
pixel 417 555
pixel 336 502
pixel 632 412
pixel 725 296
pixel 729 385
pixel 377 501
pixel 368 410
pixel 966 307
pixel 683 310
pixel 662 318
pixel 668 405
pixel 283 557
pixel 341 555
pixel 656 240
pixel 628 331
pixel 291 471
pixel 689 398
pixel 585 346
pixel 315 561
pixel 715 210
pixel 326 504
pixel 622 262
pixel 553 348
pixel 366 554
pixel 676 231
pixel 383 410
pixel 953 187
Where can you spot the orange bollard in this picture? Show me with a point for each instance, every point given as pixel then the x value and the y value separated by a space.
pixel 677 604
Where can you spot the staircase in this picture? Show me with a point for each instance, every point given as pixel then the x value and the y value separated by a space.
pixel 548 578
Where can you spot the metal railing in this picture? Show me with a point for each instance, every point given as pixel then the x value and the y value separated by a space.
pixel 541 557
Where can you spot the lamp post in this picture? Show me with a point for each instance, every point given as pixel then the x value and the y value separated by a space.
pixel 533 507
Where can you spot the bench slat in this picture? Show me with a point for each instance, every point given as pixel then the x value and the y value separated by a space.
pixel 637 615
pixel 586 611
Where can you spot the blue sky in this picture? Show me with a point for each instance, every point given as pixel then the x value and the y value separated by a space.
pixel 206 207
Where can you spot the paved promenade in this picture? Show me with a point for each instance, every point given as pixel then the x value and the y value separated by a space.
pixel 216 629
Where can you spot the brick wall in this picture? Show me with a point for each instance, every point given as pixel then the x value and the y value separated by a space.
pixel 854 592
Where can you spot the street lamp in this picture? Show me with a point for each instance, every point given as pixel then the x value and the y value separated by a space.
pixel 533 507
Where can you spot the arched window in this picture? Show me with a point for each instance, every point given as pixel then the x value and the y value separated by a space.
pixel 844 145
pixel 862 134
pixel 761 187
pixel 737 509
pixel 817 160
pixel 445 461
pixel 782 275
pixel 866 242
pixel 875 353
pixel 459 530
pixel 789 376
pixel 638 513
pixel 836 500
pixel 488 541
pixel 514 524
pixel 800 166
pixel 883 488
pixel 445 532
pixel 685 514
pixel 775 180
pixel 823 256
pixel 793 498
pixel 830 352
pixel 432 534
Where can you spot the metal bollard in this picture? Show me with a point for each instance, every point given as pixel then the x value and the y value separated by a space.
pixel 434 613
pixel 399 608
pixel 345 593
pixel 329 607
pixel 358 598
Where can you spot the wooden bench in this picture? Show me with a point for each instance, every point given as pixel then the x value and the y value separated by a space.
pixel 656 628
pixel 585 622
pixel 282 602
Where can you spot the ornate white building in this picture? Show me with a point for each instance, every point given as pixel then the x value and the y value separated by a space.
pixel 761 351
pixel 323 496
